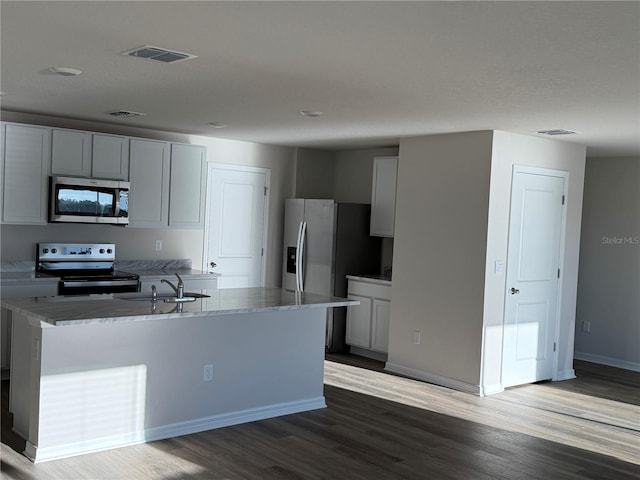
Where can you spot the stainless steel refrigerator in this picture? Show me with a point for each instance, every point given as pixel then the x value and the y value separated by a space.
pixel 324 241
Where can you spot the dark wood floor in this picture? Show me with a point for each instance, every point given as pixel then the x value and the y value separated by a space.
pixel 380 426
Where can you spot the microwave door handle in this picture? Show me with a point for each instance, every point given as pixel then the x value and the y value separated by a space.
pixel 116 209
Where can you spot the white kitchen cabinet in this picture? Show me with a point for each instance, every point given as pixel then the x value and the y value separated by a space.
pixel 383 196
pixel 149 176
pixel 110 157
pixel 26 288
pixel 83 154
pixel 26 166
pixel 380 314
pixel 359 322
pixel 368 323
pixel 71 153
pixel 187 186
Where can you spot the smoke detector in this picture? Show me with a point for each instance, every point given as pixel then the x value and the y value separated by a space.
pixel 160 54
pixel 125 114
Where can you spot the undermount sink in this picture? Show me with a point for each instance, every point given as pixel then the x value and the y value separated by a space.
pixel 162 297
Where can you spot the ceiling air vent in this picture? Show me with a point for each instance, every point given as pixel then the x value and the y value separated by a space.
pixel 125 114
pixel 557 131
pixel 160 54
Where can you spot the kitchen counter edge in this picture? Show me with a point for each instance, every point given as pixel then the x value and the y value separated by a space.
pixel 70 311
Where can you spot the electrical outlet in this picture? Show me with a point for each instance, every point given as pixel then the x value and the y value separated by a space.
pixel 416 338
pixel 158 245
pixel 586 326
pixel 207 373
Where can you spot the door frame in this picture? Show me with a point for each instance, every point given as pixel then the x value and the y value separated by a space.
pixel 547 172
pixel 211 166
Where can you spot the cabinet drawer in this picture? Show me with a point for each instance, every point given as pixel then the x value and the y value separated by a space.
pixel 369 290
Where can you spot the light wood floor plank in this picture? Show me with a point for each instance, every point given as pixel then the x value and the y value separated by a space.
pixel 381 426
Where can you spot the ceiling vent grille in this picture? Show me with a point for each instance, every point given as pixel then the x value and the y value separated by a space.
pixel 160 54
pixel 125 114
pixel 557 131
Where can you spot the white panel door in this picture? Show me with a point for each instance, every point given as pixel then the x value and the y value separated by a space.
pixel 235 232
pixel 533 264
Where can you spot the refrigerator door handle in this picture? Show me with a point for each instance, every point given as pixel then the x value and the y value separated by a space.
pixel 303 240
pixel 298 251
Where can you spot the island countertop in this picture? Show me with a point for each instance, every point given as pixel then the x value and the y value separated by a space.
pixel 110 308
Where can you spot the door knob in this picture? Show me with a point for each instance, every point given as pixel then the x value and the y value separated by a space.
pixel 514 291
pixel 213 264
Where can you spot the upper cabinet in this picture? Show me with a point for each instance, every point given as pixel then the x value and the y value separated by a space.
pixel 110 157
pixel 149 176
pixel 168 180
pixel 83 154
pixel 187 186
pixel 70 153
pixel 383 196
pixel 26 163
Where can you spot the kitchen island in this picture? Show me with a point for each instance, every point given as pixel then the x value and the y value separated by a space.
pixel 103 371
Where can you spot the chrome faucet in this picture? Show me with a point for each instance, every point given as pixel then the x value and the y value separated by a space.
pixel 179 288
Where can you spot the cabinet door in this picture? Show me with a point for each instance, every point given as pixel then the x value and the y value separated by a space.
pixel 149 177
pixel 187 186
pixel 110 157
pixel 71 153
pixel 359 323
pixel 383 196
pixel 26 174
pixel 381 312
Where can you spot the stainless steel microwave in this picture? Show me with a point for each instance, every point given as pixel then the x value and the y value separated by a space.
pixel 89 200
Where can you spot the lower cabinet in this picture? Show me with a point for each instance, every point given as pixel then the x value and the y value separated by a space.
pixel 26 289
pixel 368 323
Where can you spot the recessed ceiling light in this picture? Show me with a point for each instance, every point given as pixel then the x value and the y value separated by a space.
pixel 218 125
pixel 65 71
pixel 311 113
pixel 557 131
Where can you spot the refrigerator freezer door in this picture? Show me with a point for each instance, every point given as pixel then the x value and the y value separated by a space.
pixel 293 216
pixel 320 217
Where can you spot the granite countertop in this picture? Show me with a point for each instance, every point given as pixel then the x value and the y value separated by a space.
pixel 109 308
pixel 8 278
pixel 378 279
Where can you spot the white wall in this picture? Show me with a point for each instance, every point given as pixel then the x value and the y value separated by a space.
pixel 511 149
pixel 439 258
pixel 609 279
pixel 314 173
pixel 19 242
pixel 353 173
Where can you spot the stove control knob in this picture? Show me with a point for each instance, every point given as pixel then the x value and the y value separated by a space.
pixel 54 250
pixel 45 250
pixel 109 250
pixel 102 250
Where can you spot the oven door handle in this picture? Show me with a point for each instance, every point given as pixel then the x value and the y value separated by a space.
pixel 98 283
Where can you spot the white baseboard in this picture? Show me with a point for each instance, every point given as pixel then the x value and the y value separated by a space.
pixel 363 352
pixel 432 378
pixel 565 375
pixel 611 362
pixel 492 389
pixel 43 454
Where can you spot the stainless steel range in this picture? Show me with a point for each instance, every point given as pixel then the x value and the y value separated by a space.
pixel 84 268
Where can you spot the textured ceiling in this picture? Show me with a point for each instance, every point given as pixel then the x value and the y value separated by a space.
pixel 379 70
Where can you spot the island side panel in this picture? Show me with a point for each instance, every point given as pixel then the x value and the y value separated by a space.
pixel 116 384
